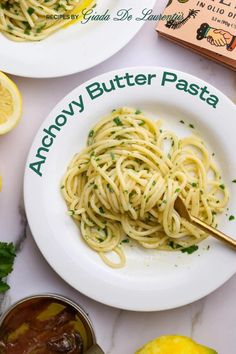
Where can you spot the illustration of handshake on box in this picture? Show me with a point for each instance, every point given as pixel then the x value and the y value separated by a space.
pixel 217 37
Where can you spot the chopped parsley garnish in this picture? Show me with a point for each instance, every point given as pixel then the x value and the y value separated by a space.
pixel 101 210
pixel 234 181
pixel 231 218
pixel 7 256
pixel 132 193
pixel 141 123
pixel 173 245
pixel 117 121
pixel 27 31
pixel 40 28
pixel 182 122
pixel 30 10
pixel 91 133
pixel 177 190
pixel 222 186
pixel 138 111
pixel 110 188
pixel 125 241
pixel 191 126
pixel 112 156
pixel 190 249
pixel 194 184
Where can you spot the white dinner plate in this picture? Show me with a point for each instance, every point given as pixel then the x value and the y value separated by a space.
pixel 151 280
pixel 75 48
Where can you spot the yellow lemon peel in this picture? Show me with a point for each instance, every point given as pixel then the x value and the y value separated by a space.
pixel 10 104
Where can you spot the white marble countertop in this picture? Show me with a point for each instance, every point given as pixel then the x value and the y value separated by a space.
pixel 212 320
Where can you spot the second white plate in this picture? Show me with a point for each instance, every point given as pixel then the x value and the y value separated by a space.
pixel 76 48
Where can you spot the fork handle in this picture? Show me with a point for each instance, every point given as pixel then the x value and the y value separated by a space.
pixel 213 232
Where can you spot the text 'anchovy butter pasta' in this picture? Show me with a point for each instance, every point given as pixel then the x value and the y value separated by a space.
pixel 123 186
pixel 34 20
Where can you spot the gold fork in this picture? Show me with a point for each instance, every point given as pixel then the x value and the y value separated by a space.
pixel 180 207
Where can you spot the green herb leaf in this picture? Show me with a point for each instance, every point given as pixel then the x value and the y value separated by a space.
pixel 117 121
pixel 112 155
pixel 7 256
pixel 141 123
pixel 222 186
pixel 30 10
pixel 101 210
pixel 234 181
pixel 231 218
pixel 173 245
pixel 190 249
pixel 3 287
pixel 138 111
pixel 91 133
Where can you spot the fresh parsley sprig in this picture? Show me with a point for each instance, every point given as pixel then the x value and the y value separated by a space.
pixel 7 256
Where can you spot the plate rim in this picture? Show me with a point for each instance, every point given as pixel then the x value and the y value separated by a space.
pixel 93 296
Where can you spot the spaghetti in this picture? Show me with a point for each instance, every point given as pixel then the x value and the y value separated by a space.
pixel 34 20
pixel 126 182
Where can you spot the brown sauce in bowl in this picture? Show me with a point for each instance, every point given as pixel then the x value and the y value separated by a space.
pixel 44 326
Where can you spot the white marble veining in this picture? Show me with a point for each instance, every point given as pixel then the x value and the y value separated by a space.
pixel 211 320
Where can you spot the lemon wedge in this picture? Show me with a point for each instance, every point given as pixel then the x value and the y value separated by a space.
pixel 10 104
pixel 174 345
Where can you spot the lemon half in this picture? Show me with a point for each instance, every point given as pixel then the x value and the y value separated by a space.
pixel 10 104
pixel 174 345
